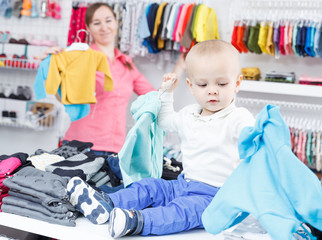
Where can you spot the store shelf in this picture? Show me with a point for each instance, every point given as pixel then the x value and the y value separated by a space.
pixel 20 64
pixel 35 123
pixel 86 230
pixel 281 88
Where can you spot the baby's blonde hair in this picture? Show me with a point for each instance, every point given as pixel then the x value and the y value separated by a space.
pixel 210 48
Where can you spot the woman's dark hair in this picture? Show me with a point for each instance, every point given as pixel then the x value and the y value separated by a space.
pixel 92 9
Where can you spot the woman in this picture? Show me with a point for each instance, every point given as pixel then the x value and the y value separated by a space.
pixel 105 126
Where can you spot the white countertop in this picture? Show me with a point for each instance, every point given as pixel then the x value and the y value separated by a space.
pixel 86 230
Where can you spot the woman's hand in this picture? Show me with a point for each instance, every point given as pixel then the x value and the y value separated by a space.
pixel 170 82
pixel 52 50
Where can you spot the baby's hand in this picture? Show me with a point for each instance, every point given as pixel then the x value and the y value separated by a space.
pixel 170 82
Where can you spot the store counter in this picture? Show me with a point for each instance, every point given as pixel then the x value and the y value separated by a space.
pixel 85 230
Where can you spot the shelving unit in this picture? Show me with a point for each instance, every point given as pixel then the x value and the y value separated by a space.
pixel 282 88
pixel 19 64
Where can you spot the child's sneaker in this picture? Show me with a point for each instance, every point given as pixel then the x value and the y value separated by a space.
pixel 304 233
pixel 125 222
pixel 95 206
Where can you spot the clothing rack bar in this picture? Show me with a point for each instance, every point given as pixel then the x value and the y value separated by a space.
pixel 283 104
pixel 294 109
pixel 276 9
pixel 277 4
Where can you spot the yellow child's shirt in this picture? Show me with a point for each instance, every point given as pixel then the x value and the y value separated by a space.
pixel 75 73
pixel 262 37
pixel 270 48
pixel 212 26
pixel 205 25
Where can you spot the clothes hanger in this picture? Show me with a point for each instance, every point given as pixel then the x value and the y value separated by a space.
pixel 78 46
pixel 168 86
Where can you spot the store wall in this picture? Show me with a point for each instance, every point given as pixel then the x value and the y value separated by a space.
pixel 15 139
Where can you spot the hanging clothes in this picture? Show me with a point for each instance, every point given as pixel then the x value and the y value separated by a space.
pixel 77 22
pixel 74 111
pixel 162 26
pixel 75 71
pixel 277 36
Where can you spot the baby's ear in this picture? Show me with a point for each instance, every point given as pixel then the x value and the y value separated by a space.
pixel 188 82
pixel 238 82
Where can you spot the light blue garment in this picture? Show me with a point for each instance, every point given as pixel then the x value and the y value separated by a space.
pixel 271 183
pixel 75 111
pixel 147 10
pixel 316 40
pixel 143 27
pixel 142 152
pixel 42 73
pixel 176 205
pixel 294 34
pixel 319 42
pixel 174 15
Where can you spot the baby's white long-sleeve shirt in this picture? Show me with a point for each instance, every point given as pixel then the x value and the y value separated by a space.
pixel 209 144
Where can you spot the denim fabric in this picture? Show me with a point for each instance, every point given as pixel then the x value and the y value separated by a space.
pixel 166 206
pixel 112 160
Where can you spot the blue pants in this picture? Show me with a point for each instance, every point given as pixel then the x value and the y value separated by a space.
pixel 167 206
pixel 113 162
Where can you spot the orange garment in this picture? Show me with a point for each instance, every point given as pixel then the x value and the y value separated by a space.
pixel 234 38
pixel 74 72
pixel 240 35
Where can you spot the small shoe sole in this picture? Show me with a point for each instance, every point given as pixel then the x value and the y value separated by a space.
pixel 81 196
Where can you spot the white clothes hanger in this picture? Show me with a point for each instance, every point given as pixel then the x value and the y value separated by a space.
pixel 167 86
pixel 78 46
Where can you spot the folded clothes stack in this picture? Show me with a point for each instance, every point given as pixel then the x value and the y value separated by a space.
pixel 310 80
pixel 40 195
pixel 251 73
pixel 9 165
pixel 284 77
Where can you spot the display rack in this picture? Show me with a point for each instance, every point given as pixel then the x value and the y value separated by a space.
pixel 281 88
pixel 19 64
pixel 33 122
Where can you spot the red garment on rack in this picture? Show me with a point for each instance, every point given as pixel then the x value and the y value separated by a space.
pixel 281 42
pixel 234 38
pixel 240 36
pixel 77 22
